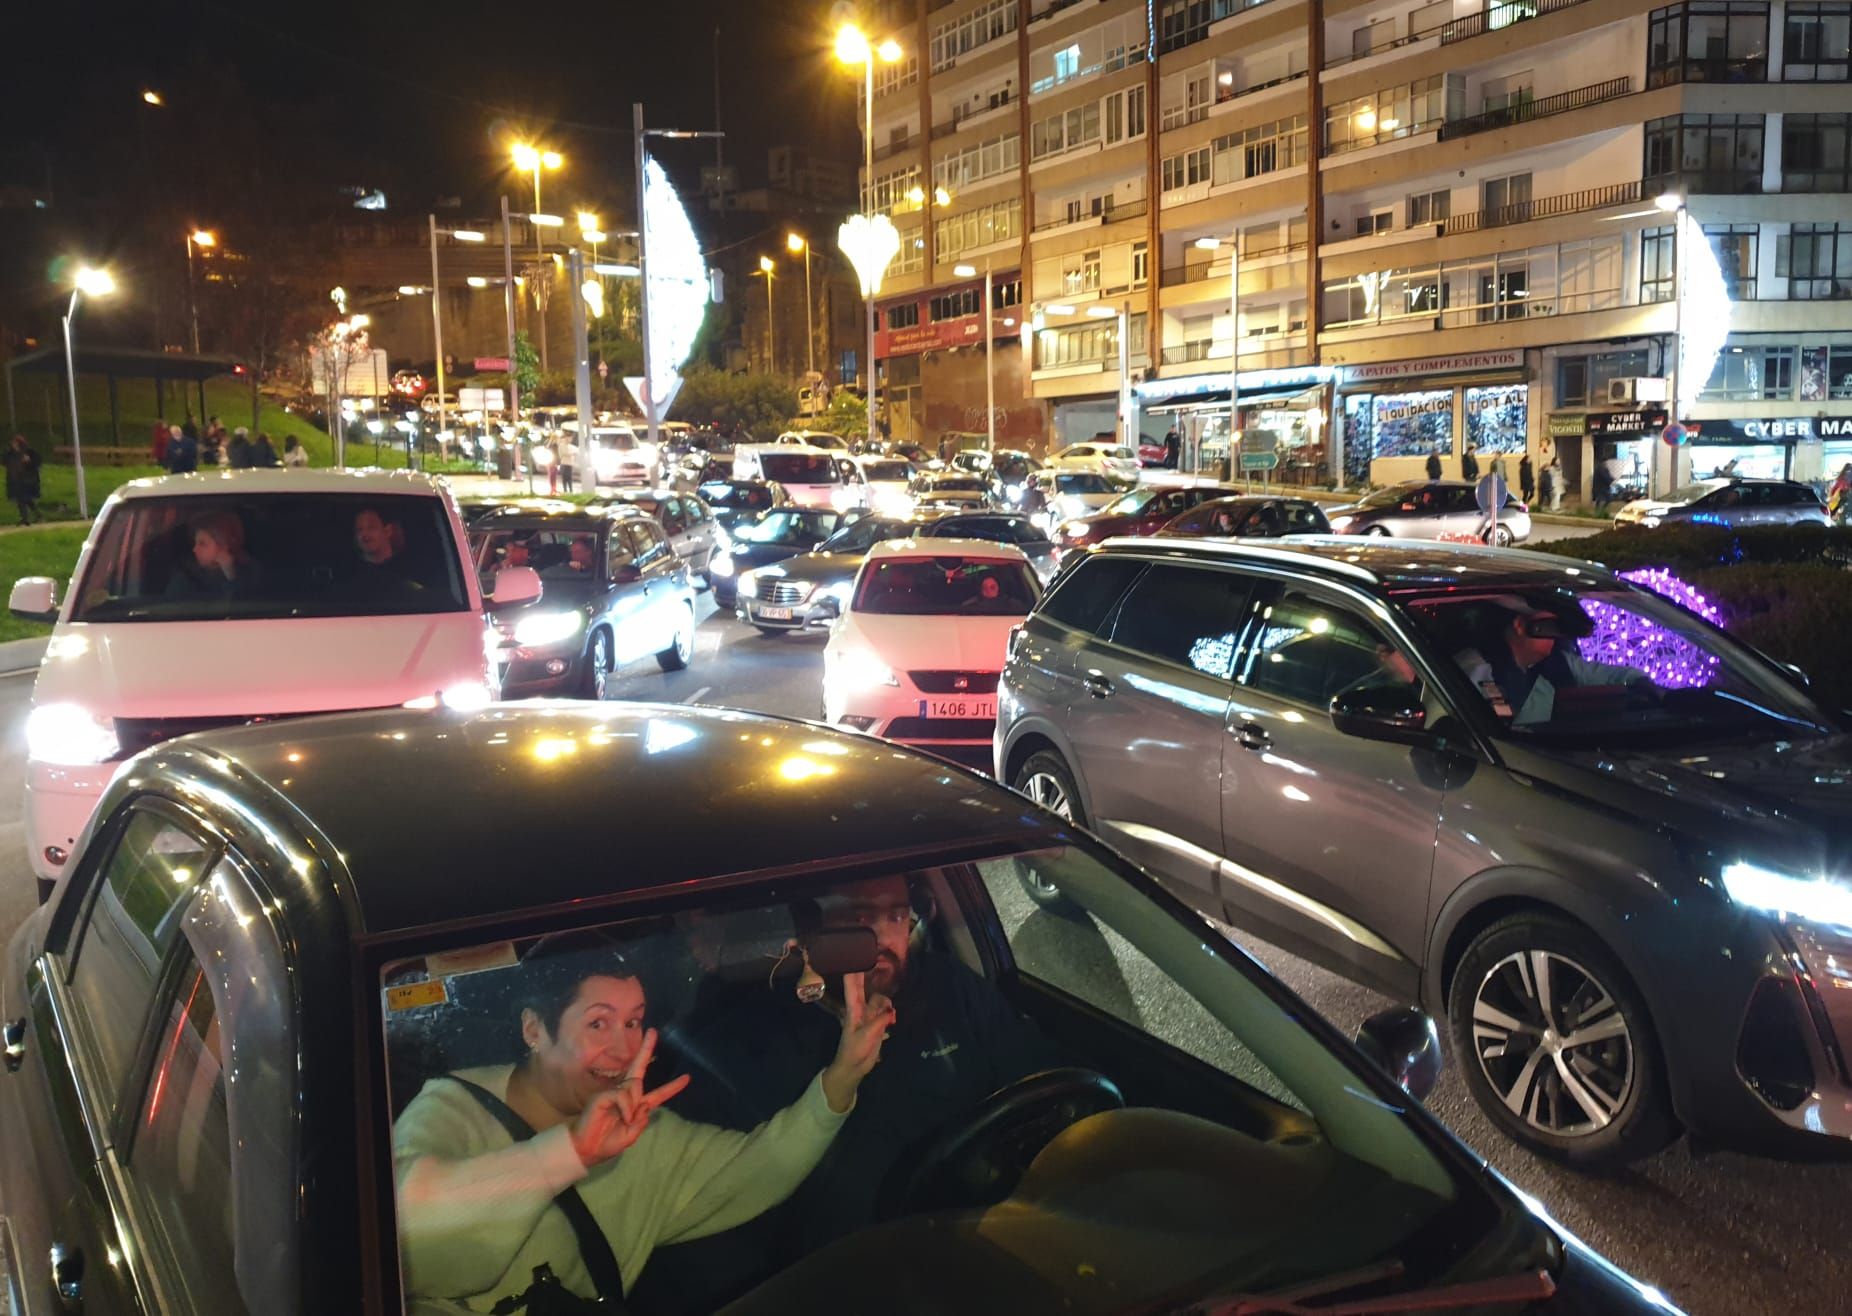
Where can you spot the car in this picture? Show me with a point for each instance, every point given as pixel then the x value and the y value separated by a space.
pixel 692 530
pixel 353 957
pixel 814 439
pixel 887 480
pixel 1151 452
pixel 950 489
pixel 772 536
pixel 917 605
pixel 1583 823
pixel 1052 497
pixel 732 501
pixel 1250 516
pixel 613 592
pixel 1011 470
pixel 1141 511
pixel 972 461
pixel 1113 459
pixel 811 477
pixel 620 457
pixel 1429 509
pixel 324 590
pixel 1727 502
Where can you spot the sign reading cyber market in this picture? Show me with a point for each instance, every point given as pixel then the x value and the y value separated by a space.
pixel 1612 424
pixel 1780 429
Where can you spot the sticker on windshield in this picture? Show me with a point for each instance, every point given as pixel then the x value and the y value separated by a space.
pixel 413 995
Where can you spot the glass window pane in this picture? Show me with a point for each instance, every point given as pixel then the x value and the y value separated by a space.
pixel 1307 651
pixel 1185 615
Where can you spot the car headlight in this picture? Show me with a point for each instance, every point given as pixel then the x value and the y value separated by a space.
pixel 860 670
pixel 70 733
pixel 1339 523
pixel 1815 899
pixel 1013 492
pixel 1651 519
pixel 542 628
pixel 748 582
pixel 722 564
pixel 1074 530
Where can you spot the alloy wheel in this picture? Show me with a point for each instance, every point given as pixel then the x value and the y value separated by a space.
pixel 601 665
pixel 1553 1043
pixel 684 637
pixel 1045 790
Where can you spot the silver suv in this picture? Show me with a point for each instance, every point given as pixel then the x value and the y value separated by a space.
pixel 1611 844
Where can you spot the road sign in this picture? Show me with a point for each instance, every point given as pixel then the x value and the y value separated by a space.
pixel 1489 493
pixel 491 365
pixel 635 384
pixel 481 399
pixel 604 370
pixel 1260 441
pixel 1259 461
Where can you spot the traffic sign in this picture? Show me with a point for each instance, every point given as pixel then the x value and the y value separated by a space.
pixel 1259 441
pixel 635 384
pixel 604 370
pixel 491 365
pixel 1259 461
pixel 481 399
pixel 1489 493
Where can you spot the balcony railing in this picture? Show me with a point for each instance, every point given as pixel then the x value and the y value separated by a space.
pixel 1202 349
pixel 1543 207
pixel 895 146
pixel 1109 215
pixel 1705 184
pixel 957 120
pixel 1524 111
pixel 1223 94
pixel 1751 69
pixel 1499 17
pixel 1177 275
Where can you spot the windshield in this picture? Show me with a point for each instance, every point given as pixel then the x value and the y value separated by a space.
pixel 800 468
pixel 721 493
pixel 864 535
pixel 1690 493
pixel 887 471
pixel 558 555
pixel 1130 502
pixel 952 484
pixel 267 556
pixel 1393 496
pixel 792 526
pixel 1200 1064
pixel 620 440
pixel 947 586
pixel 816 439
pixel 1617 667
pixel 1082 482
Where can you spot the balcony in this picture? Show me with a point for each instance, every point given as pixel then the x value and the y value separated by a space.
pixel 1499 17
pixel 1225 94
pixel 1181 354
pixel 1753 68
pixel 1176 276
pixel 1547 207
pixel 895 145
pixel 1107 215
pixel 1524 111
pixel 1741 183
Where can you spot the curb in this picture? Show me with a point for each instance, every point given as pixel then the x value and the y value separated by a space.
pixel 17 656
pixel 1588 523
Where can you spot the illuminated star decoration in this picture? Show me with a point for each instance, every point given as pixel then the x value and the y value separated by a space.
pixel 1625 638
pixel 678 283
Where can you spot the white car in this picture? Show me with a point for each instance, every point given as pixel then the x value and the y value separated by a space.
pixel 1065 495
pixel 887 481
pixel 814 439
pixel 1113 459
pixel 810 477
pixel 216 599
pixel 621 457
pixel 916 653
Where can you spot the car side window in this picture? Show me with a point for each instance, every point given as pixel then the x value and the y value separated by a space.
pixel 652 547
pixel 1308 651
pixel 672 518
pixel 128 927
pixel 1084 597
pixel 1303 519
pixel 1190 616
pixel 622 553
pixel 210 1157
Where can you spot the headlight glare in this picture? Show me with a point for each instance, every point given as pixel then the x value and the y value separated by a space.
pixel 70 733
pixel 1815 899
pixel 722 564
pixel 547 628
pixel 859 670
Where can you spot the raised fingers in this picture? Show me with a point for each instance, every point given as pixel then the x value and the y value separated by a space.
pixel 656 1096
pixel 854 996
pixel 639 1063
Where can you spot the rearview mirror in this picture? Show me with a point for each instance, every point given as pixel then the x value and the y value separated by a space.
pixel 1393 713
pixel 34 598
pixel 515 585
pixel 836 951
pixel 1404 1044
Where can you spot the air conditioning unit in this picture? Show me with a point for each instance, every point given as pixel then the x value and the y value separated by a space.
pixel 1635 391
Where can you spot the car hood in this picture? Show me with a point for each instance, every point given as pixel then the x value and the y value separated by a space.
pixel 758 555
pixel 1788 800
pixel 938 643
pixel 1646 507
pixel 822 568
pixel 248 668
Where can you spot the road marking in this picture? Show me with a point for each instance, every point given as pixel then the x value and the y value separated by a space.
pixel 695 698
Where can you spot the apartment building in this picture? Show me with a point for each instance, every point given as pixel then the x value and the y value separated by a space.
pixel 1446 224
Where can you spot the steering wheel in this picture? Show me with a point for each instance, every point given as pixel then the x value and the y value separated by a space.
pixel 977 1158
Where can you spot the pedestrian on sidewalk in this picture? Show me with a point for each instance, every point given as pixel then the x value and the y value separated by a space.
pixel 568 459
pixel 159 447
pixel 22 480
pixel 1469 465
pixel 1601 484
pixel 1434 462
pixel 183 450
pixel 238 451
pixel 553 453
pixel 1527 480
pixel 1556 484
pixel 262 453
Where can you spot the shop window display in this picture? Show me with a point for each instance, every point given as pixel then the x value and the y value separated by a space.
pixel 1498 417
pixel 1413 424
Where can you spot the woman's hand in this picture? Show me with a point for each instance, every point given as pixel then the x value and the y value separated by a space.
pixel 865 1021
pixel 616 1117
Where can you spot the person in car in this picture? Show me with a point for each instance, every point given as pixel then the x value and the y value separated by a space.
pixel 483 1157
pixel 221 567
pixel 583 555
pixel 1522 668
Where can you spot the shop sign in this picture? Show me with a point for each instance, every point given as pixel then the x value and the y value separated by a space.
pixel 1160 390
pixel 1781 429
pixel 1567 425
pixel 1649 420
pixel 933 337
pixel 1371 372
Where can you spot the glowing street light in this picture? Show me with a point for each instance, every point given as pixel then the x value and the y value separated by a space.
pixel 588 222
pixel 468 235
pixel 203 238
pixel 795 243
pixel 535 160
pixel 852 47
pixel 87 282
pixel 153 97
pixel 941 197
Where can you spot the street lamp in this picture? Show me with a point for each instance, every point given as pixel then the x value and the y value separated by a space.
pixel 852 47
pixel 203 238
pixel 795 243
pixel 771 328
pixel 1234 339
pixel 529 159
pixel 94 283
pixel 990 372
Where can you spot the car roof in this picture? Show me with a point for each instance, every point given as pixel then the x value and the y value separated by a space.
pixel 945 546
pixel 476 815
pixel 279 480
pixel 1393 565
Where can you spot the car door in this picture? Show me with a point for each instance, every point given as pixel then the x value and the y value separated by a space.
pixel 700 523
pixel 1329 837
pixel 1459 512
pixel 1148 728
pixel 664 574
pixel 628 602
pixel 1162 510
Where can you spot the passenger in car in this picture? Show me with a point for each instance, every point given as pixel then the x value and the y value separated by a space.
pixel 380 542
pixel 487 1159
pixel 221 567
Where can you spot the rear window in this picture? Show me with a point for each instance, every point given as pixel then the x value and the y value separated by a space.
pixel 886 471
pixel 939 586
pixel 558 555
pixel 267 556
pixel 800 468
pixel 752 497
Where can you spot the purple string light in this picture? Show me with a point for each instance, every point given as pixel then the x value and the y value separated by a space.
pixel 1663 583
pixel 1624 638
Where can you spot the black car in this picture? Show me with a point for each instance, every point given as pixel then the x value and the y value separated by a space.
pixel 732 501
pixel 612 592
pixel 1250 516
pixel 772 536
pixel 281 1045
pixel 693 530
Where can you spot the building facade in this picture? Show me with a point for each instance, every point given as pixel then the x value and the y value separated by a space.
pixel 1412 226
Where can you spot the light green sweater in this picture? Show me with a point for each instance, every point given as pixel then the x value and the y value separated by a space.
pixel 476 1211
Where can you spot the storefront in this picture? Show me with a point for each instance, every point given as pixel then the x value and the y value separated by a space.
pixel 1396 414
pixel 1623 443
pixel 1287 404
pixel 1808 448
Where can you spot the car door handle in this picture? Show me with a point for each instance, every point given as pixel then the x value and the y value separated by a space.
pixel 1252 736
pixel 1099 687
pixel 67 1276
pixel 14 1035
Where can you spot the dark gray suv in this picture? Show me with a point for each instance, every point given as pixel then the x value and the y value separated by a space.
pixel 1611 844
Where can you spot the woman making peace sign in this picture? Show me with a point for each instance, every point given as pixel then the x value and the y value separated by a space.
pixel 484 1209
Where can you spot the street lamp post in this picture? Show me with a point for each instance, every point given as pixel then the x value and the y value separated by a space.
pixel 203 238
pixel 990 372
pixel 437 319
pixel 514 386
pixel 853 48
pixel 771 320
pixel 97 283
pixel 796 243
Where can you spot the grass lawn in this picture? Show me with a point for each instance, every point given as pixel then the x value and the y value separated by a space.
pixel 48 551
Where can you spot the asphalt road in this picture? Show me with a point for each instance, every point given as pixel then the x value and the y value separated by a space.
pixel 1718 1232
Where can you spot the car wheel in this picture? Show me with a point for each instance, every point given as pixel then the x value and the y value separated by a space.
pixel 1557 1045
pixel 1502 536
pixel 681 649
pixel 1044 778
pixel 1378 531
pixel 595 677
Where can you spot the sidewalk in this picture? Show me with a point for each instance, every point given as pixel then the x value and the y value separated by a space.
pixel 1566 519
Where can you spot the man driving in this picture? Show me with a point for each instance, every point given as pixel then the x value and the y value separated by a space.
pixel 1521 671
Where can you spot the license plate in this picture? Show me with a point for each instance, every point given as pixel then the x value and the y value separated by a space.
pixel 930 708
pixel 775 614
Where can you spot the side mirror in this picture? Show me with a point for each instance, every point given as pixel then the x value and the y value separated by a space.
pixel 1384 712
pixel 1404 1044
pixel 34 598
pixel 1800 677
pixel 515 585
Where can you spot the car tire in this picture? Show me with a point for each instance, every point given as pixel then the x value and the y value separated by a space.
pixel 1515 1050
pixel 1044 777
pixel 1502 537
pixel 1377 531
pixel 681 649
pixel 595 673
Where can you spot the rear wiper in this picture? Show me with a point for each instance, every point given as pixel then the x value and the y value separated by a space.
pixel 1528 1286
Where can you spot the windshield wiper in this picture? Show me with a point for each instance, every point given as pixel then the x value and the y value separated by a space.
pixel 1527 1286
